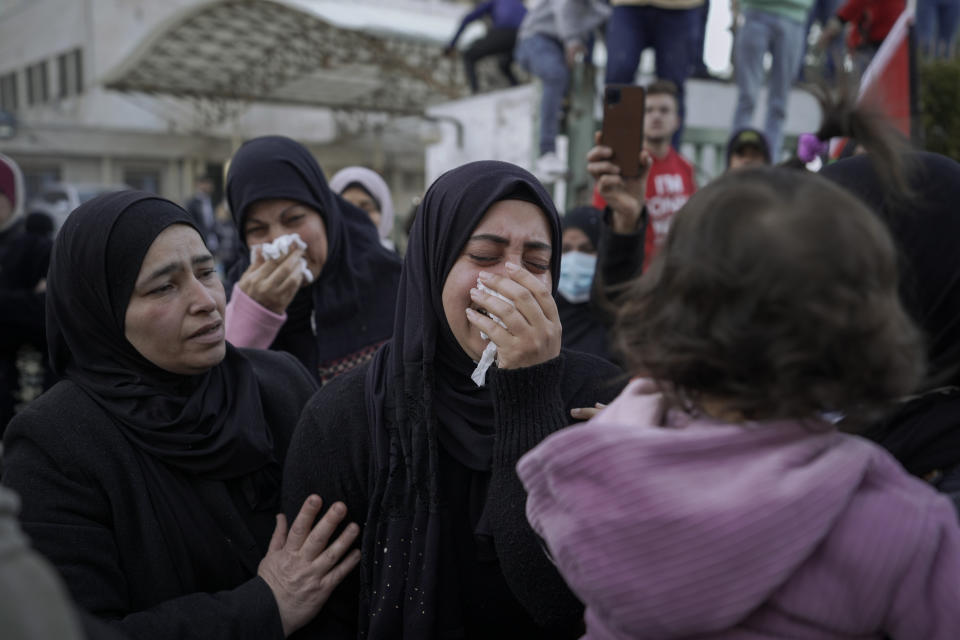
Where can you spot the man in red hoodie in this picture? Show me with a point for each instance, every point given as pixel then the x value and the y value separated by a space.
pixel 870 21
pixel 671 180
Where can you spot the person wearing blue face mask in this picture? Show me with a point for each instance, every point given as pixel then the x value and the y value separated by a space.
pixel 579 262
pixel 589 244
pixel 602 252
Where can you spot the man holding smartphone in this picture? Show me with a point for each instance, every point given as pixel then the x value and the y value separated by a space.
pixel 670 182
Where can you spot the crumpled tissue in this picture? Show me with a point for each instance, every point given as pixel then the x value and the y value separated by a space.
pixel 281 247
pixel 489 355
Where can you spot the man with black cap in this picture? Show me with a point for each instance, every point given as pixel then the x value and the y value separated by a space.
pixel 747 148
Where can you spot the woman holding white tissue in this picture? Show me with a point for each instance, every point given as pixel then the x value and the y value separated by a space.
pixel 332 314
pixel 427 455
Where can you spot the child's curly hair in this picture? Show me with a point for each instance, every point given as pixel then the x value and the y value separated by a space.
pixel 776 294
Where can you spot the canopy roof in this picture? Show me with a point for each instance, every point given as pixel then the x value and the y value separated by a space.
pixel 341 55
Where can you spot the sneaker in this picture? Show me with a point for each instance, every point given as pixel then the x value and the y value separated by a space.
pixel 550 168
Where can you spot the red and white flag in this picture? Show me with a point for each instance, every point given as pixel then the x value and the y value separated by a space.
pixel 887 84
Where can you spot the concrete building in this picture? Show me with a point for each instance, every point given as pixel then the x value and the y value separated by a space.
pixel 76 76
pixel 152 94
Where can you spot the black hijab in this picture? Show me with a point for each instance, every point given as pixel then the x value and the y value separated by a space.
pixel 925 228
pixel 188 432
pixel 587 219
pixel 925 433
pixel 420 397
pixel 210 424
pixel 353 298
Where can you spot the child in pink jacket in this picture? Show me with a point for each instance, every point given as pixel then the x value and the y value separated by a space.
pixel 715 498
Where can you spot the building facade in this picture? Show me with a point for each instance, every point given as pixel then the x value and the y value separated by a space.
pixel 56 58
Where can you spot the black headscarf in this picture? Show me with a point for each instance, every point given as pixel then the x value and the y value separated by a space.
pixel 209 426
pixel 420 397
pixel 353 297
pixel 925 433
pixel 925 228
pixel 587 219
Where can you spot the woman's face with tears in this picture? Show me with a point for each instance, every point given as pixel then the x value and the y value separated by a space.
pixel 512 231
pixel 175 314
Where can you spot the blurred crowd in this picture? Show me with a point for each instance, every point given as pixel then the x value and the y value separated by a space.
pixel 682 410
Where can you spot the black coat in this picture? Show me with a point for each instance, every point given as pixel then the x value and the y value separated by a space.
pixel 24 258
pixel 331 455
pixel 86 506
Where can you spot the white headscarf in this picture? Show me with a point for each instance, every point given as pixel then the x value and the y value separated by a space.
pixel 375 185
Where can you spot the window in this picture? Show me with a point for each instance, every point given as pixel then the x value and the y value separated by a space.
pixel 70 71
pixel 142 179
pixel 8 92
pixel 36 178
pixel 37 87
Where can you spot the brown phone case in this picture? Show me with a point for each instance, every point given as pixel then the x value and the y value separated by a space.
pixel 622 131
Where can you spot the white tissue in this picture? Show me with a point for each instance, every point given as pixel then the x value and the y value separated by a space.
pixel 281 247
pixel 489 355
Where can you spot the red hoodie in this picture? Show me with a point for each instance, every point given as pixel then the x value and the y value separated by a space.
pixel 871 20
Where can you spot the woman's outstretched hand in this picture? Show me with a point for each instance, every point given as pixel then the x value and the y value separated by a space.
pixel 532 334
pixel 586 413
pixel 300 568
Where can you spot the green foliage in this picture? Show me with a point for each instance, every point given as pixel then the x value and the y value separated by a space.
pixel 940 105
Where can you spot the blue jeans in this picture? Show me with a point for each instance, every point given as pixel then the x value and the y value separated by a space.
pixel 937 22
pixel 822 11
pixel 631 29
pixel 544 57
pixel 783 38
pixel 698 34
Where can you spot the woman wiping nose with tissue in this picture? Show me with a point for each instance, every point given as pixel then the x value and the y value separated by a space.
pixel 428 455
pixel 318 283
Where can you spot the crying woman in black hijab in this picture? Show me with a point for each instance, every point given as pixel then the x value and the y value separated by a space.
pixel 327 295
pixel 429 438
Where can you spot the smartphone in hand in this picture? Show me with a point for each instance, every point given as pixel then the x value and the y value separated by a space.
pixel 622 131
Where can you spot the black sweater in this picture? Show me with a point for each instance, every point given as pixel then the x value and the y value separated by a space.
pixel 86 506
pixel 330 456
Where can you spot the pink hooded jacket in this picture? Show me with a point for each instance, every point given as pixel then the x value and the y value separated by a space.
pixel 705 529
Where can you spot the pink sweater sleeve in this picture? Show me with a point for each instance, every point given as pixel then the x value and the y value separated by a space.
pixel 248 324
pixel 927 604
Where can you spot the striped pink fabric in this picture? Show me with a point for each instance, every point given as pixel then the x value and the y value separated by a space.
pixel 248 324
pixel 668 526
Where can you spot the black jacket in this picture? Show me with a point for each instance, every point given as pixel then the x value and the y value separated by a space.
pixel 330 454
pixel 86 506
pixel 24 258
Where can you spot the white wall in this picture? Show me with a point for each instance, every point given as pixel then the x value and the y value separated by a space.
pixel 711 104
pixel 495 126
